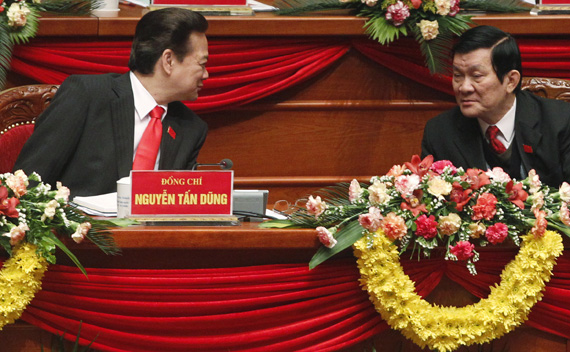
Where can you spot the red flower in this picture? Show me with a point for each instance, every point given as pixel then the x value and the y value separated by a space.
pixel 426 226
pixel 517 195
pixel 416 4
pixel 476 178
pixel 414 204
pixel 460 196
pixel 418 166
pixel 463 250
pixel 485 207
pixel 440 165
pixel 497 233
pixel 540 224
pixel 8 205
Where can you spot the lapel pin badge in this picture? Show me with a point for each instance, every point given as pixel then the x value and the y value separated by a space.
pixel 527 148
pixel 172 133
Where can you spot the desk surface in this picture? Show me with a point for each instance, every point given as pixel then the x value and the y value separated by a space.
pixel 268 24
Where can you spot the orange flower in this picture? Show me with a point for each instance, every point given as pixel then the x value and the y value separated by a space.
pixel 394 226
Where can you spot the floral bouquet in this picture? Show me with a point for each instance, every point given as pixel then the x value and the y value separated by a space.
pixel 37 215
pixel 433 23
pixel 424 204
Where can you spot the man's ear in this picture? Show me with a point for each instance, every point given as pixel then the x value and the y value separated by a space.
pixel 512 78
pixel 166 60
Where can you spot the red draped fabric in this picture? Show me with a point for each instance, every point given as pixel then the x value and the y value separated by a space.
pixel 245 70
pixel 257 308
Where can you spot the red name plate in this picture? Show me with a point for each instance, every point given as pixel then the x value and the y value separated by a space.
pixel 181 192
pixel 555 2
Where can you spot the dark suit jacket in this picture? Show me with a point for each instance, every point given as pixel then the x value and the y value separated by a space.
pixel 85 137
pixel 542 132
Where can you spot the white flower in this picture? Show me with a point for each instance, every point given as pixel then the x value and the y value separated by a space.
pixel 439 187
pixel 537 201
pixel 534 181
pixel 17 233
pixel 497 175
pixel 326 237
pixel 429 29
pixel 81 232
pixel 370 2
pixel 378 193
pixel 62 192
pixel 315 206
pixel 565 192
pixel 17 14
pixel 443 7
pixel 407 184
pixel 49 211
pixel 354 191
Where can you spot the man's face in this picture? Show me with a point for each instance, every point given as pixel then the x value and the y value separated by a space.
pixel 478 91
pixel 188 75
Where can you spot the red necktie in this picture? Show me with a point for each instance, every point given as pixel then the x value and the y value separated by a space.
pixel 145 158
pixel 491 134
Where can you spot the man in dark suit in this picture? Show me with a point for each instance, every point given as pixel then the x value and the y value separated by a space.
pixel 495 123
pixel 88 137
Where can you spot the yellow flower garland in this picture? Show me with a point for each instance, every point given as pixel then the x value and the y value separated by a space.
pixel 446 328
pixel 20 279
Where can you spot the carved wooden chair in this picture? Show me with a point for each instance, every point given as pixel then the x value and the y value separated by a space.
pixel 552 88
pixel 19 107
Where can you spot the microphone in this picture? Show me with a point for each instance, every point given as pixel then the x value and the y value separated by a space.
pixel 225 164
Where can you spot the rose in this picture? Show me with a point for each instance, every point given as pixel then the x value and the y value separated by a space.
pixel 326 237
pixel 485 207
pixel 449 224
pixel 443 7
pixel 497 233
pixel 315 206
pixel 440 165
pixel 394 226
pixel 426 226
pixel 463 250
pixel 564 192
pixel 407 184
pixel 378 193
pixel 476 229
pixel 81 231
pixel 397 13
pixel 429 29
pixel 497 175
pixel 439 187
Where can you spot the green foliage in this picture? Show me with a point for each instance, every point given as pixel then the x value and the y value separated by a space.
pixel 379 29
pixel 346 237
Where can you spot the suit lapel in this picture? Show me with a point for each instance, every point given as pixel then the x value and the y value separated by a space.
pixel 122 111
pixel 469 142
pixel 171 140
pixel 527 135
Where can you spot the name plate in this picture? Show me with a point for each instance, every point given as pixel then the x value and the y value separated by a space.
pixel 174 193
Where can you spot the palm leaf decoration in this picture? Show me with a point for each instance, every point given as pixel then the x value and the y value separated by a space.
pixel 378 28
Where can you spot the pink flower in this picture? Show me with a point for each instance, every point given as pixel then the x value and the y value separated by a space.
pixel 397 13
pixel 354 190
pixel 396 170
pixel 407 184
pixel 497 233
pixel 394 226
pixel 315 206
pixel 17 233
pixel 476 178
pixel 454 8
pixel 18 183
pixel 463 250
pixel 485 207
pixel 540 224
pixel 81 231
pixel 517 195
pixel 565 214
pixel 440 165
pixel 426 226
pixel 326 237
pixel 418 3
pixel 372 220
pixel 498 175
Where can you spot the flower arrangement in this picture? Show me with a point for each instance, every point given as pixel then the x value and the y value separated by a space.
pixel 422 204
pixel 433 23
pixel 31 219
pixel 19 20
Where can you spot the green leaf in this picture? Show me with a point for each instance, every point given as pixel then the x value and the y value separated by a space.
pixel 277 224
pixel 53 239
pixel 383 30
pixel 5 52
pixel 346 237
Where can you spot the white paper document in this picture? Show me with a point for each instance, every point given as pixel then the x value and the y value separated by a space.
pixel 100 205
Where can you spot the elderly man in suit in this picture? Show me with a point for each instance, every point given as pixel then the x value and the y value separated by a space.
pixel 495 123
pixel 99 127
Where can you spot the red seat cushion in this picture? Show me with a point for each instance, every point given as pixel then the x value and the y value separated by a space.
pixel 11 144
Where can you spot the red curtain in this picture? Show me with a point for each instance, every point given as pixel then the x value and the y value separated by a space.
pixel 245 70
pixel 258 308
